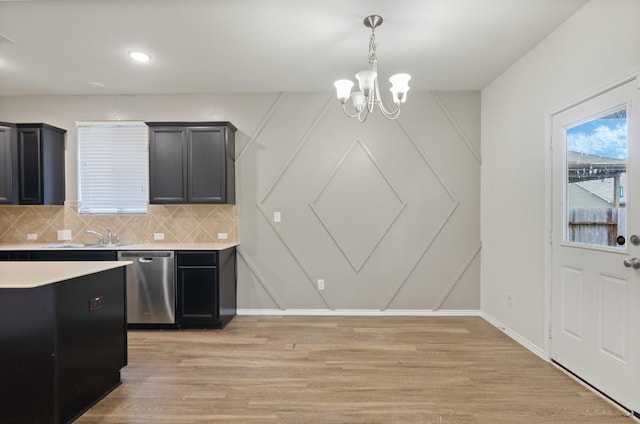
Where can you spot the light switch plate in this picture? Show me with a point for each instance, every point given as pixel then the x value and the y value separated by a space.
pixel 32 236
pixel 277 217
pixel 223 236
pixel 64 235
pixel 320 284
pixel 158 236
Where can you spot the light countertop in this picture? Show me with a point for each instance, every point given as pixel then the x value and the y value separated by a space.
pixel 63 245
pixel 25 275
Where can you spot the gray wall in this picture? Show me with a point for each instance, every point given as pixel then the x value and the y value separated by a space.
pixel 590 50
pixel 386 212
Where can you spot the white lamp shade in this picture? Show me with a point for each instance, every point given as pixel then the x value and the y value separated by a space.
pixel 358 100
pixel 399 96
pixel 343 89
pixel 366 80
pixel 400 82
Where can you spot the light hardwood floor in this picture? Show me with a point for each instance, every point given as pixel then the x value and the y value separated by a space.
pixel 450 370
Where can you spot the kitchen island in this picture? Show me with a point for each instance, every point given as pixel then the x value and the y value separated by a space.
pixel 63 338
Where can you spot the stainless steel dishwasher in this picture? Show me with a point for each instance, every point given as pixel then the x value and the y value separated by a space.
pixel 151 288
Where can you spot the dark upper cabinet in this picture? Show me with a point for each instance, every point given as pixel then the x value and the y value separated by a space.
pixel 8 164
pixel 40 164
pixel 31 164
pixel 167 165
pixel 191 162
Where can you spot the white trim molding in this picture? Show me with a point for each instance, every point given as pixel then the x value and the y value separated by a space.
pixel 515 336
pixel 363 312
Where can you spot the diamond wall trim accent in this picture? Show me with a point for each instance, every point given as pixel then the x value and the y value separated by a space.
pixel 458 128
pixel 356 266
pixel 456 278
pixel 261 125
pixel 256 272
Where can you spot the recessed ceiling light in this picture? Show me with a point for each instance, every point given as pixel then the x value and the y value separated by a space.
pixel 139 56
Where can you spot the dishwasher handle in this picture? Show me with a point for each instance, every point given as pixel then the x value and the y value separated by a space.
pixel 145 260
pixel 149 255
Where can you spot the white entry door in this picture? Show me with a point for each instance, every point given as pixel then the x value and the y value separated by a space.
pixel 595 240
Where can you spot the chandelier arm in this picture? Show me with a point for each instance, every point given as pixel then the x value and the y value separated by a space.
pixel 344 109
pixel 377 98
pixel 388 113
pixel 371 102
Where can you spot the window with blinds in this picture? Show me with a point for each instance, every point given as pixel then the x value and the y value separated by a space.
pixel 113 173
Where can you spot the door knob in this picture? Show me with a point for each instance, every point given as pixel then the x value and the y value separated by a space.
pixel 632 263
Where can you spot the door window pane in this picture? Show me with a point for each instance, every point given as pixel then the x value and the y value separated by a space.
pixel 597 181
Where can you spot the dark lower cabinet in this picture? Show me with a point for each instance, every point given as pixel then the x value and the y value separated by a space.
pixel 206 282
pixel 15 256
pixel 64 345
pixel 59 255
pixel 73 255
pixel 206 295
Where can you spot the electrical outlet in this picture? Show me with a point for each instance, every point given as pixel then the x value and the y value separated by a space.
pixel 158 236
pixel 223 236
pixel 64 235
pixel 32 236
pixel 509 299
pixel 277 217
pixel 320 284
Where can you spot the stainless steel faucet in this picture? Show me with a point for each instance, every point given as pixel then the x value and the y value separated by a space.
pixel 95 233
pixel 109 237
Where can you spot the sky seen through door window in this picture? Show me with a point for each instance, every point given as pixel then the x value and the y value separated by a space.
pixel 606 137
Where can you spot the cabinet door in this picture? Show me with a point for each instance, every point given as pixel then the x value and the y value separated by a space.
pixel 53 177
pixel 15 256
pixel 8 166
pixel 30 166
pixel 207 165
pixel 197 286
pixel 73 255
pixel 167 165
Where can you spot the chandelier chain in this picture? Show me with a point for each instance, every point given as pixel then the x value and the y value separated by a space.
pixel 372 47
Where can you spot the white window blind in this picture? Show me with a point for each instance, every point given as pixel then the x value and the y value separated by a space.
pixel 113 174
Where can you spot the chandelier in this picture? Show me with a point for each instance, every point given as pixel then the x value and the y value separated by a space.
pixel 365 100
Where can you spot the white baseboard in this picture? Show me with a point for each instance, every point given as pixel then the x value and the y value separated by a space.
pixel 515 336
pixel 362 312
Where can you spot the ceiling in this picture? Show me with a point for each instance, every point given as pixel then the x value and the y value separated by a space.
pixel 240 46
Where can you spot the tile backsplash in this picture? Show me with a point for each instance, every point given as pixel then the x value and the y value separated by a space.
pixel 179 223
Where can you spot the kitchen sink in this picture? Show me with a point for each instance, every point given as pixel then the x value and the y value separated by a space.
pixel 88 246
pixel 112 246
